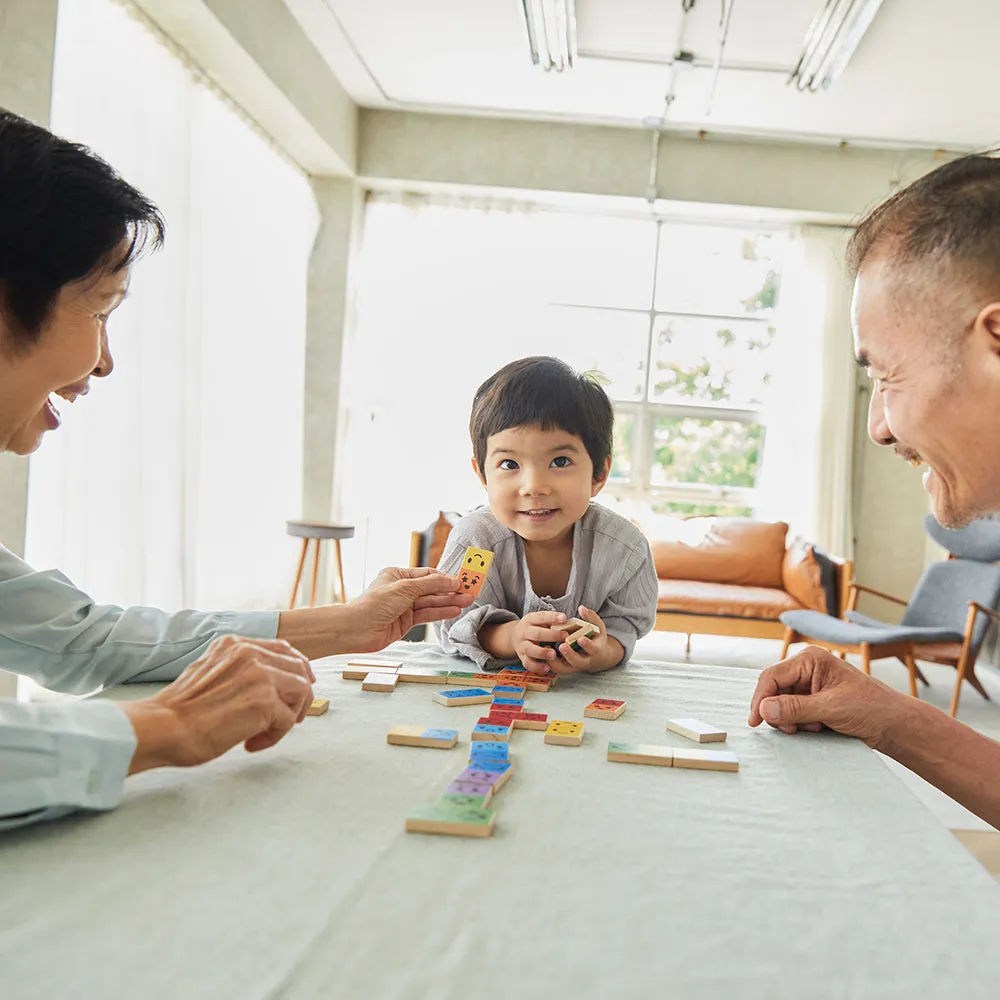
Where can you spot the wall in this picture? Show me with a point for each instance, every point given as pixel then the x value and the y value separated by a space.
pixel 27 44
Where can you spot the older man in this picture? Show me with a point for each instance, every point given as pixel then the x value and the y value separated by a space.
pixel 926 318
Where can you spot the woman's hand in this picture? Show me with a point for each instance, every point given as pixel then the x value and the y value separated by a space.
pixel 249 691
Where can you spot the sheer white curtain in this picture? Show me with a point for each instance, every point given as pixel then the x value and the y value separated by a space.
pixel 170 484
pixel 806 477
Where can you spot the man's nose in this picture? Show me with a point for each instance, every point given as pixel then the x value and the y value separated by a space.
pixel 878 426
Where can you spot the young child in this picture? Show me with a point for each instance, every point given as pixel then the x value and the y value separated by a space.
pixel 541 436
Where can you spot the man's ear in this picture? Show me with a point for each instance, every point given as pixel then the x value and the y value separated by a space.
pixel 988 321
pixel 478 471
pixel 601 477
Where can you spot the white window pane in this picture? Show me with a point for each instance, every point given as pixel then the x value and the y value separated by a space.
pixel 608 341
pixel 714 452
pixel 711 361
pixel 716 270
pixel 623 446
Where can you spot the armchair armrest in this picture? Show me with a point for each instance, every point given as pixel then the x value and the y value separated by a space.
pixel 852 599
pixel 975 607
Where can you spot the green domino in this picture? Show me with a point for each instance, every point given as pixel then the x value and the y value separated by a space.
pixel 466 801
pixel 467 674
pixel 615 746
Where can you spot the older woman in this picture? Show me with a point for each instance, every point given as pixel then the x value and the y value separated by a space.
pixel 70 231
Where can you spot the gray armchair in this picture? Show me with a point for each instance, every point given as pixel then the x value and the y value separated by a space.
pixel 946 617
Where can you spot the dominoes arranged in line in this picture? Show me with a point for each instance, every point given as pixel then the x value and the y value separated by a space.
pixel 622 752
pixel 464 809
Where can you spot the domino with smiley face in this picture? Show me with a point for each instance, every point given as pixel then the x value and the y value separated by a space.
pixel 472 573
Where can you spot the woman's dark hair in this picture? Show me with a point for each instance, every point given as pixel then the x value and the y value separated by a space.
pixel 547 393
pixel 64 213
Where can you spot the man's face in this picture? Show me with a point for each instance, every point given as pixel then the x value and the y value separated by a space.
pixel 933 356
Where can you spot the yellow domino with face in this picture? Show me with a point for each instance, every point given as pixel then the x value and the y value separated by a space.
pixel 472 573
pixel 564 733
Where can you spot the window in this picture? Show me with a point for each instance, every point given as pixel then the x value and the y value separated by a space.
pixel 677 317
pixel 689 374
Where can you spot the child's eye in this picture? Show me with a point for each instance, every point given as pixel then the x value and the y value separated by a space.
pixel 561 462
pixel 508 465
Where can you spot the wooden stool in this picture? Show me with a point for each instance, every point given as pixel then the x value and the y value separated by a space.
pixel 309 531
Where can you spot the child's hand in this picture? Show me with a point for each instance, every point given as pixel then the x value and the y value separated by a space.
pixel 599 653
pixel 531 630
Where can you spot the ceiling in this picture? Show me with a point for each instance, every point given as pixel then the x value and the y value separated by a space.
pixel 922 76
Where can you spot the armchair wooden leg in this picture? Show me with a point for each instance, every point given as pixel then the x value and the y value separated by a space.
pixel 964 664
pixel 911 665
pixel 298 573
pixel 790 637
pixel 866 658
pixel 687 648
pixel 842 654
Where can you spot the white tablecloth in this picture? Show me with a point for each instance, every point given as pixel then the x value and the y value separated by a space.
pixel 812 872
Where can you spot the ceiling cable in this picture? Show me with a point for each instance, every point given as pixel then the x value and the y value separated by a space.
pixel 725 16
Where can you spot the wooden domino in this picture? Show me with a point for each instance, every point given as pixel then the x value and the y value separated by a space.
pixel 640 753
pixel 509 691
pixel 472 574
pixel 466 678
pixel 421 736
pixel 422 675
pixel 463 696
pixel 493 728
pixel 502 703
pixel 481 789
pixel 491 731
pixel 482 750
pixel 693 729
pixel 571 625
pixel 488 772
pixel 604 708
pixel 318 706
pixel 358 670
pixel 587 632
pixel 563 733
pixel 464 800
pixel 706 760
pixel 450 819
pixel 380 680
pixel 531 720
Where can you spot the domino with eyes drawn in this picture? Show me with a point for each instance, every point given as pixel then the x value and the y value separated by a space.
pixel 472 574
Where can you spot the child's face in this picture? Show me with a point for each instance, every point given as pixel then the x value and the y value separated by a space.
pixel 539 482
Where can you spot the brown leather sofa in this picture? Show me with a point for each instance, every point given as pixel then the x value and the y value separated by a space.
pixel 717 576
pixel 735 576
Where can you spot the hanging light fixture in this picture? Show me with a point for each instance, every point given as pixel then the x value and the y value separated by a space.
pixel 551 27
pixel 831 40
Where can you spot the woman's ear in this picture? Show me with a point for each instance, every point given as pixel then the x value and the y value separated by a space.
pixel 601 477
pixel 478 471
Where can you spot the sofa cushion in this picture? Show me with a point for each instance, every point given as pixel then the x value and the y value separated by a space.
pixel 696 597
pixel 723 550
pixel 801 576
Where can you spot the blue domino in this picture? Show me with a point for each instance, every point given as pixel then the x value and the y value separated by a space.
pixel 439 734
pixel 465 693
pixel 507 690
pixel 482 727
pixel 518 668
pixel 487 748
pixel 518 702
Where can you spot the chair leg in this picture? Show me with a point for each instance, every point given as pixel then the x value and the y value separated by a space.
pixel 298 573
pixel 911 665
pixel 866 658
pixel 789 639
pixel 842 654
pixel 340 571
pixel 920 674
pixel 315 579
pixel 687 648
pixel 966 661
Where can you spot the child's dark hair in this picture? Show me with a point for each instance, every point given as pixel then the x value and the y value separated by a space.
pixel 547 393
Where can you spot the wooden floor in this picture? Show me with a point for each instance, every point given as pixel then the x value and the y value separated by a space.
pixel 984 845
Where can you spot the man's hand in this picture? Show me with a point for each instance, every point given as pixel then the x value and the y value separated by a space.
pixel 249 691
pixel 597 654
pixel 397 600
pixel 816 690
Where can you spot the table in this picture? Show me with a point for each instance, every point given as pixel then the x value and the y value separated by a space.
pixel 812 872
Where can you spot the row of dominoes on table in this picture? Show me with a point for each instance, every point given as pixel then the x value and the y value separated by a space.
pixel 464 808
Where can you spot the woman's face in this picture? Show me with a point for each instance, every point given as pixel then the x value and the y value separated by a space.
pixel 73 346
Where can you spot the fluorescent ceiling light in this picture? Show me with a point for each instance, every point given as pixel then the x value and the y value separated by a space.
pixel 551 27
pixel 831 40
